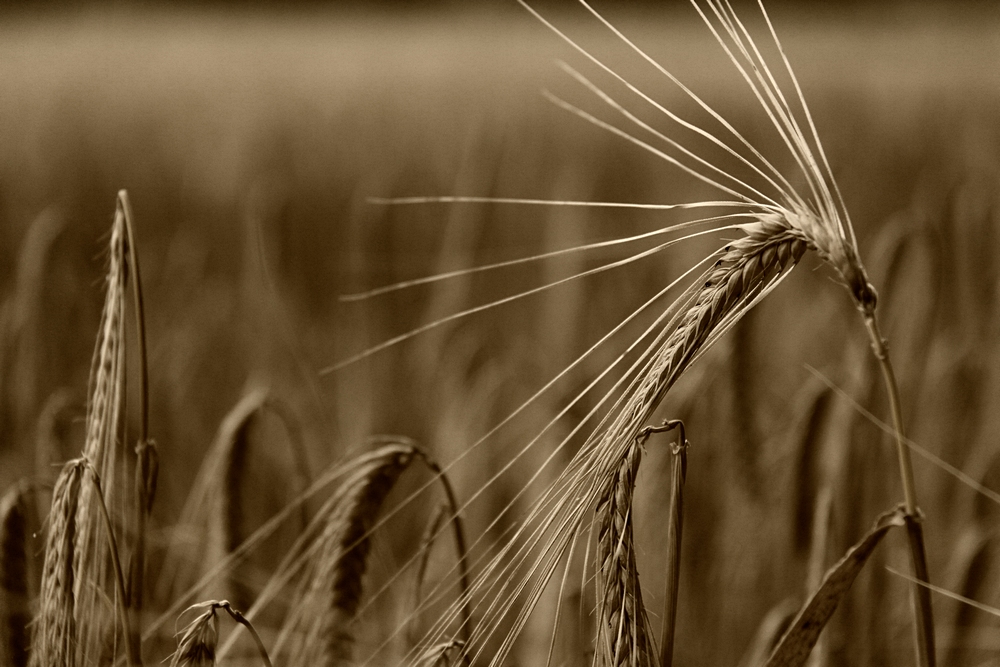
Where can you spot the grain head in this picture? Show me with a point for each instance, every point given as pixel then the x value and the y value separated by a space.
pixel 54 635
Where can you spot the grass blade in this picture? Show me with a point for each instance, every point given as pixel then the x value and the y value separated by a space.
pixel 794 648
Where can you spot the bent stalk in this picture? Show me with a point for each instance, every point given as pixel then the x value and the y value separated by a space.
pixel 920 594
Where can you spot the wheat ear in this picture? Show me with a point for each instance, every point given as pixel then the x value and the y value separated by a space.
pixel 746 270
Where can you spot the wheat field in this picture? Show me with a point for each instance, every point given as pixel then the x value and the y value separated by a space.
pixel 274 462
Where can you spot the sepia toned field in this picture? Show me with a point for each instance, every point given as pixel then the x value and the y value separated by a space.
pixel 252 148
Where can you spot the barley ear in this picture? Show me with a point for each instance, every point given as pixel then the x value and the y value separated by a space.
pixel 53 635
pixel 624 636
pixel 106 450
pixel 334 593
pixel 16 508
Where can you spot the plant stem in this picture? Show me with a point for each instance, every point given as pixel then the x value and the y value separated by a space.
pixel 675 523
pixel 239 618
pixel 920 595
pixel 456 522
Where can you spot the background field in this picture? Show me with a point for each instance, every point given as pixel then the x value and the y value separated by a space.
pixel 249 145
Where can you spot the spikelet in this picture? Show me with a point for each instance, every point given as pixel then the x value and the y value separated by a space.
pixel 15 509
pixel 54 635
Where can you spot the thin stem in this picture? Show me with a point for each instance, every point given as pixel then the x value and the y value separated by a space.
pixel 456 522
pixel 239 618
pixel 920 595
pixel 675 524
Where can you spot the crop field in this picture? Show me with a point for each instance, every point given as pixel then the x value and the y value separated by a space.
pixel 392 476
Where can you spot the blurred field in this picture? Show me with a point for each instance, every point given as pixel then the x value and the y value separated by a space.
pixel 249 145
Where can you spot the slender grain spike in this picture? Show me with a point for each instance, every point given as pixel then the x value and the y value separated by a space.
pixel 706 310
pixel 54 634
pixel 16 507
pixel 334 594
pixel 105 449
pixel 624 637
pixel 743 273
